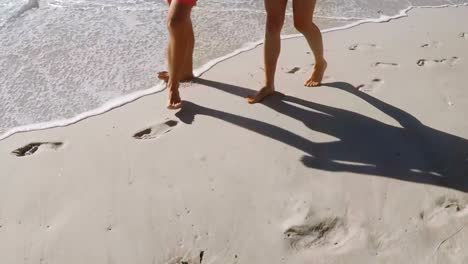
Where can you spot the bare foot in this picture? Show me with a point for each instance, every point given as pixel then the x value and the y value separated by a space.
pixel 262 94
pixel 317 75
pixel 174 100
pixel 164 76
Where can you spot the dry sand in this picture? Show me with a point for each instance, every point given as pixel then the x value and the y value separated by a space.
pixel 371 167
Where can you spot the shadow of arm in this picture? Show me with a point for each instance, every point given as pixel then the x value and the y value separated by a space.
pixel 405 119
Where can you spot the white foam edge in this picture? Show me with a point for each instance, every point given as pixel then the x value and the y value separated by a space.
pixel 106 107
pixel 123 100
pixel 250 46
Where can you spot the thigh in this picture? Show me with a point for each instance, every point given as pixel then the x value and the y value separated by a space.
pixel 179 12
pixel 304 9
pixel 276 8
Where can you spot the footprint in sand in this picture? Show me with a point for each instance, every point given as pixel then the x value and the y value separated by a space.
pixel 433 44
pixel 294 70
pixel 363 46
pixel 430 63
pixel 32 148
pixel 443 208
pixel 463 35
pixel 385 65
pixel 325 232
pixel 188 260
pixel 372 86
pixel 307 228
pixel 156 131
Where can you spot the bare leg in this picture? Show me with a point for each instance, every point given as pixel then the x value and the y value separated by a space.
pixel 303 14
pixel 188 63
pixel 178 25
pixel 276 11
pixel 187 74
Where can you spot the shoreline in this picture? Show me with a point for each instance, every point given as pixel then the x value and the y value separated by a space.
pixel 160 87
pixel 368 168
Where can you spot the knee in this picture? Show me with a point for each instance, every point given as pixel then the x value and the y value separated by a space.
pixel 175 23
pixel 302 25
pixel 274 25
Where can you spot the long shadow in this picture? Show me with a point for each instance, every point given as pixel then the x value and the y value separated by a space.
pixel 413 152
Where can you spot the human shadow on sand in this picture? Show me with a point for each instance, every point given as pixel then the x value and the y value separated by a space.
pixel 413 152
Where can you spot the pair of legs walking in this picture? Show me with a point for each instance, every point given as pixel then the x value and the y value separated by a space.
pixel 181 44
pixel 303 11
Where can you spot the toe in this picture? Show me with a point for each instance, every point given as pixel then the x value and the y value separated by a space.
pixel 178 105
pixel 174 106
pixel 312 83
pixel 251 100
pixel 163 76
pixel 260 96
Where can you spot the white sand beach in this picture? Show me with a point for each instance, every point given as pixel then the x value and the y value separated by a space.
pixel 371 167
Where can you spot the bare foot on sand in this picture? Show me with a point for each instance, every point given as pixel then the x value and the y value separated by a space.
pixel 262 94
pixel 317 75
pixel 174 100
pixel 164 76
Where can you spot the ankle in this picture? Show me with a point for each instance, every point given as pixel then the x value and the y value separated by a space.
pixel 173 87
pixel 320 62
pixel 269 85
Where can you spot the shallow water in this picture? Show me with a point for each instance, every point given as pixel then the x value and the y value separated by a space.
pixel 61 58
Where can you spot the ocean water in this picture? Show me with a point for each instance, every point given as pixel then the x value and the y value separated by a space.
pixel 62 60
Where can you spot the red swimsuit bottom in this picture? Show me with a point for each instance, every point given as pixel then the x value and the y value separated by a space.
pixel 185 2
